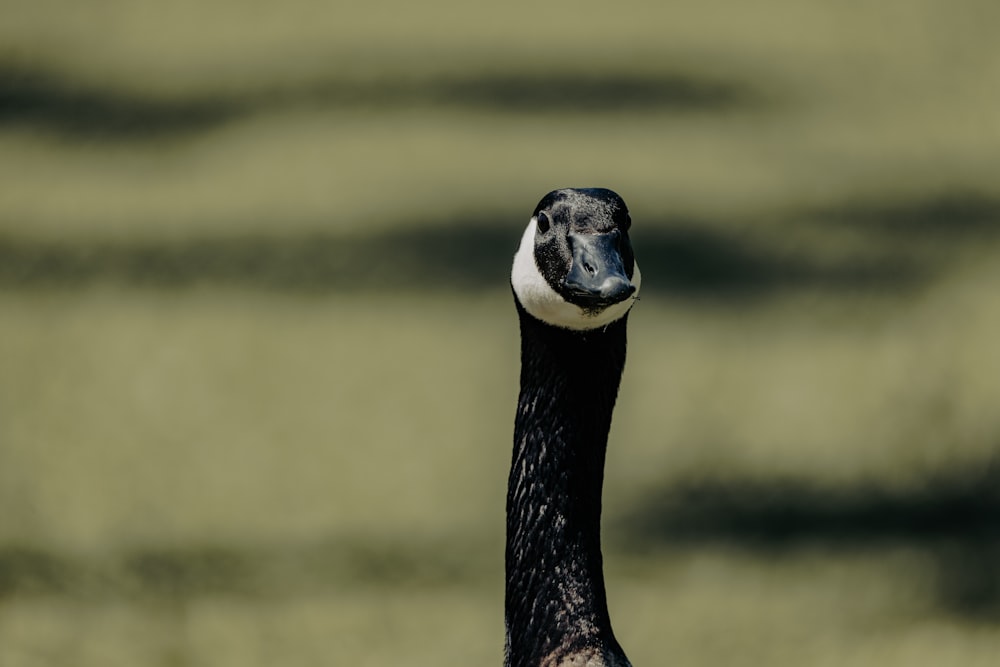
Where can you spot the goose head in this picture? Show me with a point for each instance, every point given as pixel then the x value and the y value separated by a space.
pixel 575 268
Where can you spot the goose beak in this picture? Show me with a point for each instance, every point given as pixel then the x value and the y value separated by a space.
pixel 597 278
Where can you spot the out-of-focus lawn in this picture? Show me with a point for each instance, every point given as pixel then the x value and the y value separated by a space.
pixel 258 358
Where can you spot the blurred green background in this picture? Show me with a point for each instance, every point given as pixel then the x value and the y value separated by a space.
pixel 258 356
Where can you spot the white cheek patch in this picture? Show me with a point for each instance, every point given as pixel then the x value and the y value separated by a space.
pixel 544 303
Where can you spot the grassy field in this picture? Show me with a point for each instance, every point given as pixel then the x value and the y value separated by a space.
pixel 258 357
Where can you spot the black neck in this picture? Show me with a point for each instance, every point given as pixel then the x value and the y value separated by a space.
pixel 556 605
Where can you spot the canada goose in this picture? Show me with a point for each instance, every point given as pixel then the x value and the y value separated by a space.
pixel 574 280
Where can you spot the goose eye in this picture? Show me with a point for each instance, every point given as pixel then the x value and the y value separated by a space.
pixel 628 222
pixel 542 222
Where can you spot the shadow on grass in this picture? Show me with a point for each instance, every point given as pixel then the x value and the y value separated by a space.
pixel 250 570
pixel 677 260
pixel 46 101
pixel 699 262
pixel 904 246
pixel 955 215
pixel 955 519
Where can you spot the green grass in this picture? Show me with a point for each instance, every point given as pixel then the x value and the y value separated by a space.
pixel 259 358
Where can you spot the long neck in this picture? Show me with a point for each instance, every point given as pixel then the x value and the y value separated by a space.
pixel 556 606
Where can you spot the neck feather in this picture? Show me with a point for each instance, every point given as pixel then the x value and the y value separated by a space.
pixel 556 606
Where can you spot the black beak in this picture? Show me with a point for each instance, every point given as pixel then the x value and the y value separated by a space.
pixel 597 277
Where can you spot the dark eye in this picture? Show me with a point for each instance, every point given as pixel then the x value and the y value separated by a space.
pixel 543 222
pixel 628 222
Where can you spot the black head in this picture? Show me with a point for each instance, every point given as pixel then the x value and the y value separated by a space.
pixel 575 267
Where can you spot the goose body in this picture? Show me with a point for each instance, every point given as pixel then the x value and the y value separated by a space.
pixel 574 280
